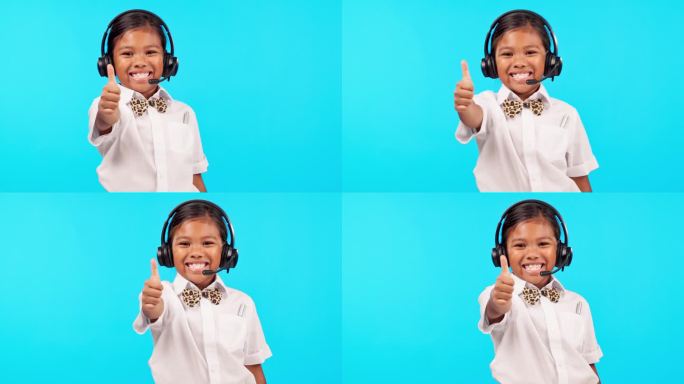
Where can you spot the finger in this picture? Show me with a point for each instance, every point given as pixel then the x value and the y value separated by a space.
pixel 464 70
pixel 155 271
pixel 150 290
pixel 112 88
pixel 504 265
pixel 110 73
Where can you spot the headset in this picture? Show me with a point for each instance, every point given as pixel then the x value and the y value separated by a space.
pixel 553 64
pixel 229 254
pixel 563 251
pixel 170 61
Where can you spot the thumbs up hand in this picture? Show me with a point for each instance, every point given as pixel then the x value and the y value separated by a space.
pixel 465 89
pixel 502 294
pixel 152 302
pixel 108 107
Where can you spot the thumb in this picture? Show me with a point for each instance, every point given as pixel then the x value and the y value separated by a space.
pixel 110 73
pixel 155 272
pixel 504 265
pixel 464 70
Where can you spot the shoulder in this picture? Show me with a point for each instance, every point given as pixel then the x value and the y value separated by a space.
pixel 238 296
pixel 562 106
pixel 486 97
pixel 575 297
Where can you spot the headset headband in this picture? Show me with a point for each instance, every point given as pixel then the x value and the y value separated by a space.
pixel 557 216
pixel 224 216
pixel 487 45
pixel 109 27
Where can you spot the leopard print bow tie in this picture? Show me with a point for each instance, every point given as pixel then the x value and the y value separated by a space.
pixel 191 296
pixel 139 106
pixel 532 295
pixel 513 108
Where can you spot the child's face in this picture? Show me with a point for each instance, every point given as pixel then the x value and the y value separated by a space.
pixel 196 246
pixel 138 57
pixel 531 248
pixel 520 56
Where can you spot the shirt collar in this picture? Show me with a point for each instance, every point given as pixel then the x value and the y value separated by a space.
pixel 505 94
pixel 127 93
pixel 520 284
pixel 180 283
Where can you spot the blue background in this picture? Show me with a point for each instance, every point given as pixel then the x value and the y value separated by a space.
pixel 263 77
pixel 74 265
pixel 401 62
pixel 414 264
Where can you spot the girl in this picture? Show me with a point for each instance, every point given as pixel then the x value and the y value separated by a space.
pixel 203 330
pixel 148 140
pixel 542 332
pixel 527 140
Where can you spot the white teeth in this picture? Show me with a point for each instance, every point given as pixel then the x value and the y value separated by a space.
pixel 141 75
pixel 532 267
pixel 196 266
pixel 520 76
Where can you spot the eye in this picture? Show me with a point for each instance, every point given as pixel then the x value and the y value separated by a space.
pixel 126 53
pixel 518 245
pixel 152 52
pixel 209 243
pixel 506 54
pixel 531 52
pixel 545 244
pixel 183 244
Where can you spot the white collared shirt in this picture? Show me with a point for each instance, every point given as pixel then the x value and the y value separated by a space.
pixel 528 152
pixel 206 343
pixel 154 152
pixel 544 343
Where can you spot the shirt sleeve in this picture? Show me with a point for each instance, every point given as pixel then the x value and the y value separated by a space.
pixel 579 157
pixel 483 324
pixel 200 163
pixel 256 349
pixel 590 348
pixel 464 133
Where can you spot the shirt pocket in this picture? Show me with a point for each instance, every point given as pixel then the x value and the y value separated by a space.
pixel 179 138
pixel 572 329
pixel 552 144
pixel 233 334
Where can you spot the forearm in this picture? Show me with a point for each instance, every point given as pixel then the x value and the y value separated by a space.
pixel 593 367
pixel 102 126
pixel 258 373
pixel 472 117
pixel 582 183
pixel 198 182
pixel 493 314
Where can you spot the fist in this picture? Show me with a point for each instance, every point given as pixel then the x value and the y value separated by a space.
pixel 503 290
pixel 108 108
pixel 465 90
pixel 152 302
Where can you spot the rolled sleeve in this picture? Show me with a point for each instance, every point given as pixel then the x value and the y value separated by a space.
pixel 200 163
pixel 256 349
pixel 591 351
pixel 580 159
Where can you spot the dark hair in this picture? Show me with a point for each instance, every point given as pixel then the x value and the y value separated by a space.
pixel 132 20
pixel 517 20
pixel 527 211
pixel 196 210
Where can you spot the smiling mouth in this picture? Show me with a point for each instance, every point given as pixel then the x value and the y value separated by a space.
pixel 197 266
pixel 521 76
pixel 533 269
pixel 140 76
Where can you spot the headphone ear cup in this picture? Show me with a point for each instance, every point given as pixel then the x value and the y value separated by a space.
pixel 164 256
pixel 229 257
pixel 170 65
pixel 489 67
pixel 102 63
pixel 563 256
pixel 552 65
pixel 497 252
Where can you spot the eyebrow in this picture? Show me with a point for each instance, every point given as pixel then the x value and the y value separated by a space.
pixel 537 239
pixel 145 47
